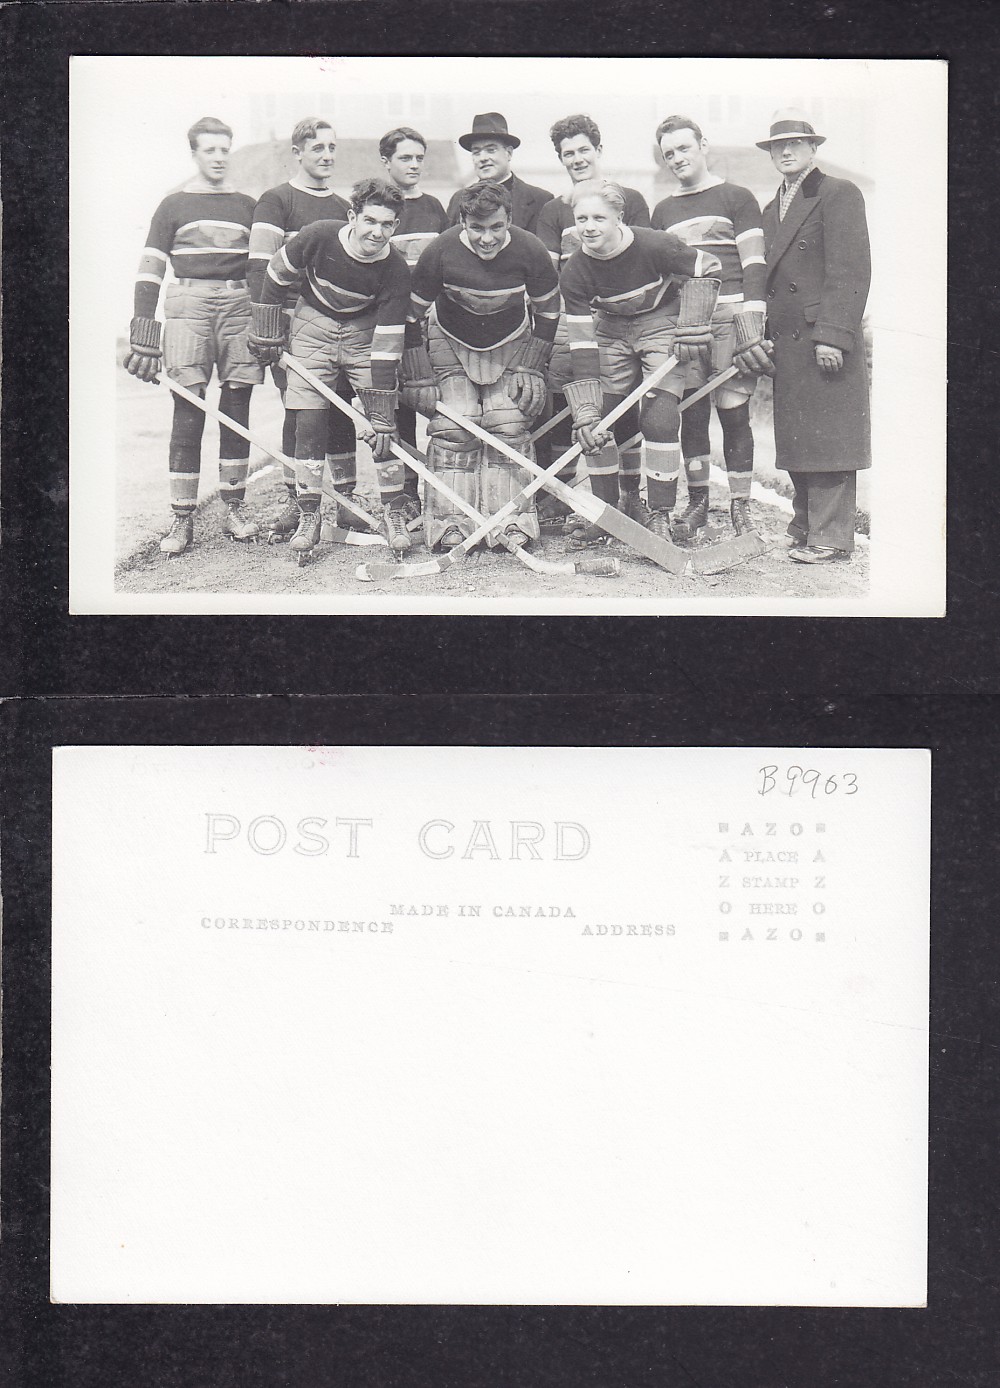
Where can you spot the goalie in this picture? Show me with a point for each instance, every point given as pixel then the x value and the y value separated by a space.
pixel 491 297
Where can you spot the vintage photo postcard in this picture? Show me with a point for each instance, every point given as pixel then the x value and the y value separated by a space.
pixel 460 1025
pixel 508 335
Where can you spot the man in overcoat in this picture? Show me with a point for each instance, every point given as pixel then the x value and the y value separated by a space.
pixel 818 275
pixel 491 145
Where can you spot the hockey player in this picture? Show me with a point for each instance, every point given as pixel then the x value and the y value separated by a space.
pixel 626 313
pixel 710 214
pixel 491 297
pixel 491 145
pixel 203 231
pixel 577 143
pixel 403 152
pixel 280 213
pixel 349 322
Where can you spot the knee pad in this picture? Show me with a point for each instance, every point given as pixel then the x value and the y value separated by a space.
pixel 506 421
pixel 310 434
pixel 694 429
pixel 234 401
pixel 450 437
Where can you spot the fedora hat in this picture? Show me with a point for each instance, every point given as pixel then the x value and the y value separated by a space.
pixel 788 124
pixel 485 125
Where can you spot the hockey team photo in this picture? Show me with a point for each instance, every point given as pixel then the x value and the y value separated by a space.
pixel 467 335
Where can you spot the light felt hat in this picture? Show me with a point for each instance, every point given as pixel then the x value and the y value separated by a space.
pixel 789 124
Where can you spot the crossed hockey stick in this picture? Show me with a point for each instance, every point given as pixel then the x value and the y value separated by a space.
pixel 347 536
pixel 604 565
pixel 584 504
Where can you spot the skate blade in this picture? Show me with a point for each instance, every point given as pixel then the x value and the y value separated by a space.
pixel 716 559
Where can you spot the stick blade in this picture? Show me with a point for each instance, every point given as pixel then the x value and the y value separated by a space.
pixel 340 535
pixel 603 565
pixel 383 573
pixel 716 559
pixel 624 528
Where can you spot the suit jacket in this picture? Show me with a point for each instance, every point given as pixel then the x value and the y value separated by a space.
pixel 818 275
pixel 527 202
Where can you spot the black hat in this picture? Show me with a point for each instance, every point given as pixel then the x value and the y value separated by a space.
pixel 485 125
pixel 789 125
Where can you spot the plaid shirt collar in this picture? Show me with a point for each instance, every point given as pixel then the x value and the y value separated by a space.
pixel 788 191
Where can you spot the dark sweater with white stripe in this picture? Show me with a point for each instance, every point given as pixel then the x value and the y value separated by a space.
pixel 347 289
pixel 557 231
pixel 641 277
pixel 485 303
pixel 203 235
pixel 725 220
pixel 420 220
pixel 279 214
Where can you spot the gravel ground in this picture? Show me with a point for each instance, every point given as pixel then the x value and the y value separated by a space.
pixel 217 565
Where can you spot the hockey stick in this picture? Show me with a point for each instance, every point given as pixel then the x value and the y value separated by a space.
pixel 257 442
pixel 543 429
pixel 585 504
pixel 716 559
pixel 606 566
pixel 380 572
pixel 709 386
pixel 721 556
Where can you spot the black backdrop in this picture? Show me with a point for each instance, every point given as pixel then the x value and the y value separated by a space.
pixel 642 681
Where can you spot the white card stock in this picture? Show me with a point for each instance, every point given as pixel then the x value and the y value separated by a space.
pixel 490 1025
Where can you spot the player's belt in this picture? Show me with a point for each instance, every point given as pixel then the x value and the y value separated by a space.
pixel 229 284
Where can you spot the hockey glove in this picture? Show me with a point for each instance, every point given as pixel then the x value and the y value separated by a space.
pixel 144 358
pixel 380 407
pixel 266 339
pixel 419 389
pixel 693 337
pixel 752 352
pixel 528 386
pixel 586 400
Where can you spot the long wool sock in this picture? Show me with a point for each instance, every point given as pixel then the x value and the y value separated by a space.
pixel 185 455
pixel 234 451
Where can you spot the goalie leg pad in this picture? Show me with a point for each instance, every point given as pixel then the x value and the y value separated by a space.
pixel 462 395
pixel 458 469
pixel 502 480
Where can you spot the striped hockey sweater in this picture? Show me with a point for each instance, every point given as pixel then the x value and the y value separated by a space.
pixel 557 224
pixel 725 220
pixel 279 214
pixel 203 235
pixel 421 219
pixel 642 276
pixel 485 303
pixel 337 283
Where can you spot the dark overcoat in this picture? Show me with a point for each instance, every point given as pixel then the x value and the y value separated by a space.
pixel 526 201
pixel 818 275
